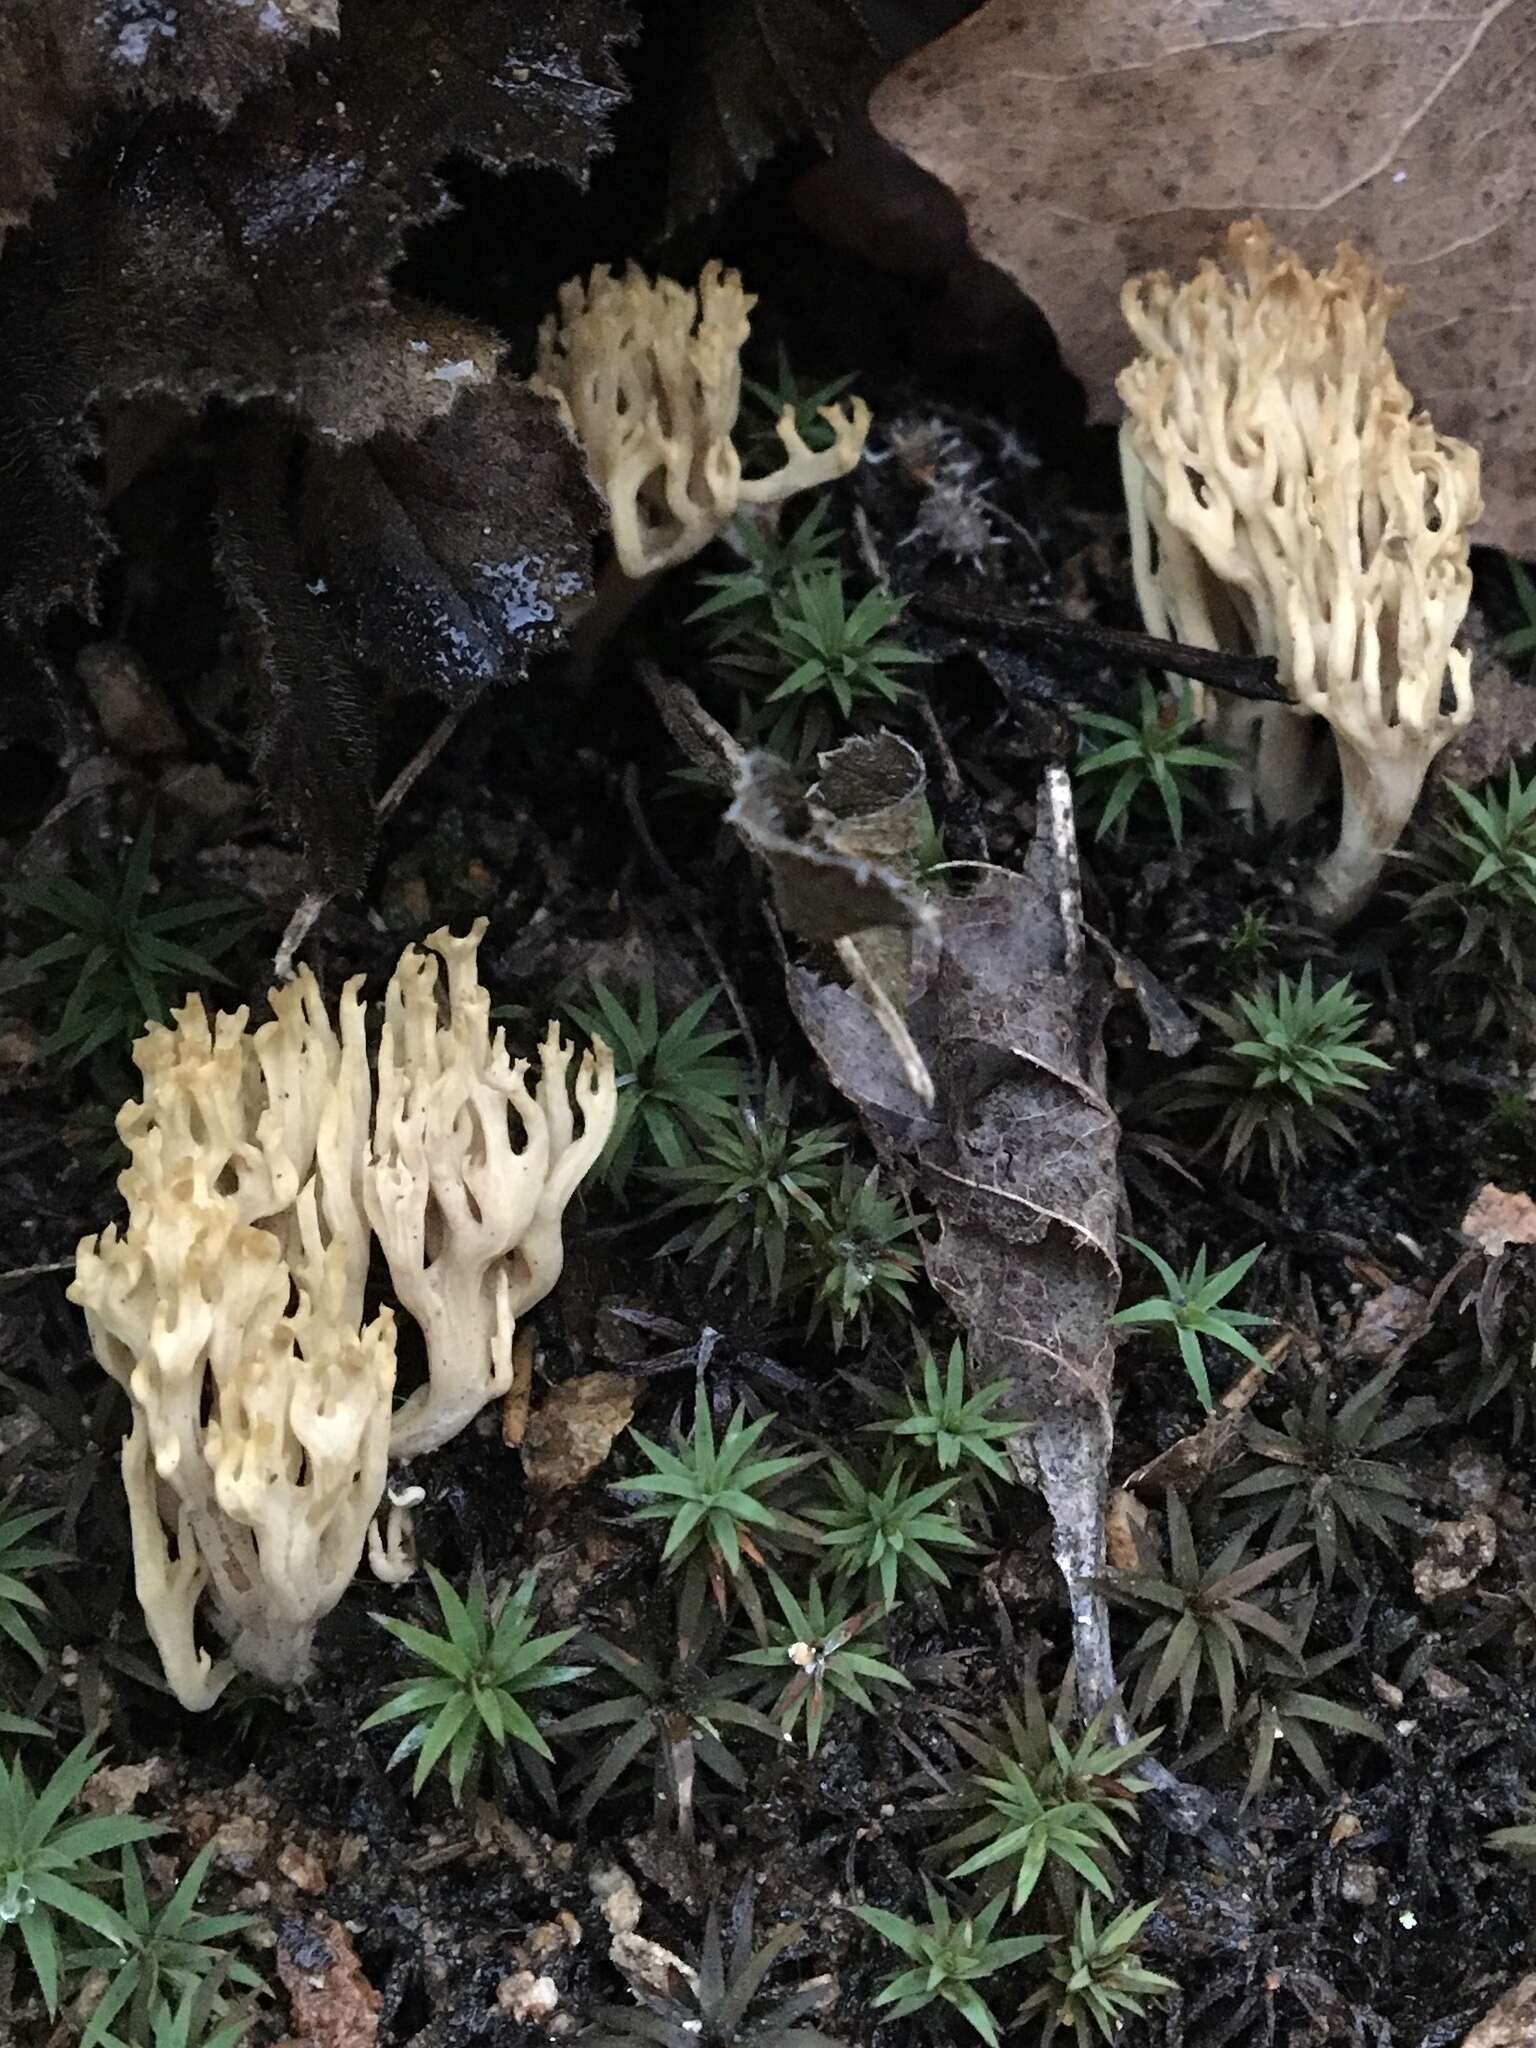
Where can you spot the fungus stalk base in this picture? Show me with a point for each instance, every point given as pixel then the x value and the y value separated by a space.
pixel 1379 796
pixel 280 1652
pixel 468 1334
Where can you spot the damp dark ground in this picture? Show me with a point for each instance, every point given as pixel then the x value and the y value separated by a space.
pixel 1369 1913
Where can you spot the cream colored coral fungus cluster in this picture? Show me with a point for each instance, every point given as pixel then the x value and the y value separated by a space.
pixel 647 375
pixel 1285 499
pixel 231 1306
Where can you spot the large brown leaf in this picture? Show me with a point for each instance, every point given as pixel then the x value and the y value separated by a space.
pixel 1091 139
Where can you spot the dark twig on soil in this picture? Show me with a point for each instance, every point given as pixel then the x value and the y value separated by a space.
pixel 419 763
pixel 674 887
pixel 1244 675
pixel 953 780
pixel 314 902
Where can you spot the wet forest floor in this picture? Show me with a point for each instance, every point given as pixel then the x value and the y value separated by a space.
pixel 1360 1903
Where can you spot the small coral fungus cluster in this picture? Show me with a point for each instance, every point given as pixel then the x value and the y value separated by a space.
pixel 648 377
pixel 1285 500
pixel 231 1306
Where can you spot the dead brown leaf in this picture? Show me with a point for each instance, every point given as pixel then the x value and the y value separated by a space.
pixel 760 74
pixel 1094 141
pixel 570 1435
pixel 1498 1218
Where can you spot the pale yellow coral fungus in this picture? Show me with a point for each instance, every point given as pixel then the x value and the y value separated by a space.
pixel 647 375
pixel 1284 499
pixel 468 1177
pixel 230 1307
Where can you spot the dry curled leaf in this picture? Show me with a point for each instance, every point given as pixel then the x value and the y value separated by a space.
pixel 1093 141
pixel 829 881
pixel 1017 1158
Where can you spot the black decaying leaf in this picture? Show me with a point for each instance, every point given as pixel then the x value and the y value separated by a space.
pixel 52 537
pixel 229 189
pixel 62 60
pixel 243 258
pixel 763 73
pixel 454 554
pixel 313 711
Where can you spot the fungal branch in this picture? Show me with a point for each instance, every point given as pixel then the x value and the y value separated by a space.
pixel 230 1306
pixel 647 376
pixel 1285 499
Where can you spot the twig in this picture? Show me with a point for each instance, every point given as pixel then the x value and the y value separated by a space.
pixel 1069 885
pixel 1244 675
pixel 33 1272
pixel 869 547
pixel 314 901
pixel 954 783
pixel 298 929
pixel 1188 1463
pixel 419 762
pixel 705 741
pixel 675 889
pixel 890 1020
pixel 1001 512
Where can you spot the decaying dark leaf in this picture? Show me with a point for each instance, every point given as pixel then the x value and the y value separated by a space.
pixel 407 86
pixel 243 251
pixel 315 714
pixel 763 73
pixel 170 287
pixel 53 540
pixel 1017 1159
pixel 61 60
pixel 455 554
pixel 251 259
pixel 237 246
